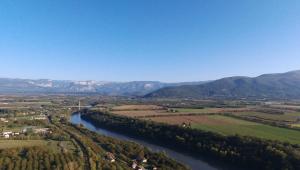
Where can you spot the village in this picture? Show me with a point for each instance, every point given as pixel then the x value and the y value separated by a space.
pixel 25 131
pixel 137 164
pixel 11 129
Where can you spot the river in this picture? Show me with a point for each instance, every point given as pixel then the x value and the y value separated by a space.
pixel 193 163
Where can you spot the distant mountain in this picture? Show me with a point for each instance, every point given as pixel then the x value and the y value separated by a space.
pixel 281 86
pixel 136 88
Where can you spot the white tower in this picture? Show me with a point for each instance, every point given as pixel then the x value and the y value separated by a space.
pixel 79 105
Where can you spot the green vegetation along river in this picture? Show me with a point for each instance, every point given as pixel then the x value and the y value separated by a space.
pixel 190 161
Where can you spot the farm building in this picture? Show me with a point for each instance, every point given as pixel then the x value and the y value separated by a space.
pixel 110 157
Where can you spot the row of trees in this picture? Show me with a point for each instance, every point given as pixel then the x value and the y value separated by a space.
pixel 247 152
pixel 37 158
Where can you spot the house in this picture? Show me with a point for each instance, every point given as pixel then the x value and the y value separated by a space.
pixel 144 160
pixel 27 129
pixel 110 157
pixel 185 125
pixel 134 164
pixel 40 117
pixel 6 135
pixel 4 120
pixel 140 168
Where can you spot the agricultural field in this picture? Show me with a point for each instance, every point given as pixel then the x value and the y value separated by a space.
pixel 55 146
pixel 230 126
pixel 141 113
pixel 139 110
pixel 210 110
pixel 136 107
pixel 292 107
pixel 289 118
pixel 213 119
pixel 296 125
pixel 8 144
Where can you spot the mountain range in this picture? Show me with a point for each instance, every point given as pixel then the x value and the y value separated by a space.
pixel 134 88
pixel 278 86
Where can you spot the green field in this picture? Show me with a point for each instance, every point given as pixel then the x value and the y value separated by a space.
pixel 296 125
pixel 288 117
pixel 232 126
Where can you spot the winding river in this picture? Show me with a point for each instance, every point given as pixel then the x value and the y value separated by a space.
pixel 193 163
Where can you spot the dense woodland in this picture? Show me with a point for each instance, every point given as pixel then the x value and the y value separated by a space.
pixel 246 152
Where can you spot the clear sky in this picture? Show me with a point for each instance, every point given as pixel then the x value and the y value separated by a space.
pixel 166 40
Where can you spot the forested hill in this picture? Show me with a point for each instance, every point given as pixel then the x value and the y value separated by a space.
pixel 283 85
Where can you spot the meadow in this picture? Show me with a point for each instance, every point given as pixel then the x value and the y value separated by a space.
pixel 231 126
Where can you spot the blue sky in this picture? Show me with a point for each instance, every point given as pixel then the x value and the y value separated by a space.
pixel 165 40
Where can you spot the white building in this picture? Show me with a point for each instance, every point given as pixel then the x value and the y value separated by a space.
pixel 6 135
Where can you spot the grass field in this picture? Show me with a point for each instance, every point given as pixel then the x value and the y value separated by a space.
pixel 7 144
pixel 287 117
pixel 231 126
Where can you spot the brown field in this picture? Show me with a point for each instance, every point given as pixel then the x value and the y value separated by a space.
pixel 141 113
pixel 5 144
pixel 136 107
pixel 177 120
pixel 212 110
pixel 153 110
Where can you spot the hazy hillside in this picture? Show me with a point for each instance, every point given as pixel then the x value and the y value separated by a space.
pixel 138 88
pixel 284 85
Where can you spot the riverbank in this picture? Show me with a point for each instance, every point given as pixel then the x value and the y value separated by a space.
pixel 192 162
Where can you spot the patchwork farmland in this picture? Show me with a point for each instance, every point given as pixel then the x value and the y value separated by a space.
pixel 225 121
